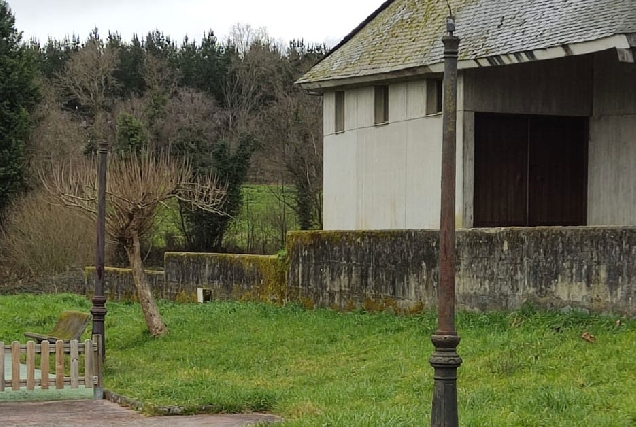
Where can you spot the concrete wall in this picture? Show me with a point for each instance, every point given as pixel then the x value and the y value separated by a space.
pixel 612 159
pixel 385 176
pixel 560 87
pixel 238 277
pixel 388 176
pixel 588 268
pixel 596 86
pixel 119 284
pixel 72 281
pixel 557 87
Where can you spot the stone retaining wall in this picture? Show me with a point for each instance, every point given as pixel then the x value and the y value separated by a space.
pixel 497 269
pixel 584 268
pixel 120 286
pixel 242 277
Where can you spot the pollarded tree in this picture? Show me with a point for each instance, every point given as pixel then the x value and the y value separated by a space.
pixel 18 97
pixel 136 187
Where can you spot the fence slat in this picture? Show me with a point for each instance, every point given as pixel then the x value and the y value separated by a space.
pixel 59 364
pixel 30 364
pixel 44 364
pixel 92 365
pixel 15 365
pixel 88 365
pixel 1 366
pixel 74 364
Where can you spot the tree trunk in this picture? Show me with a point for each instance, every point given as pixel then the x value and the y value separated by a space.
pixel 149 307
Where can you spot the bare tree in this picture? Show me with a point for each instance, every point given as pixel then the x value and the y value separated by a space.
pixel 136 187
pixel 251 79
pixel 58 134
pixel 243 36
pixel 88 79
pixel 292 129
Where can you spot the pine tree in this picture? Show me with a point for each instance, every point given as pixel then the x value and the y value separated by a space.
pixel 18 96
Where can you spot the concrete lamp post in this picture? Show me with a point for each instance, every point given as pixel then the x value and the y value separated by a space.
pixel 445 359
pixel 99 300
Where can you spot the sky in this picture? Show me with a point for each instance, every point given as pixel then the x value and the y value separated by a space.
pixel 325 21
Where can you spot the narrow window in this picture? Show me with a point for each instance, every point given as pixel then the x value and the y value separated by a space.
pixel 340 107
pixel 381 104
pixel 434 96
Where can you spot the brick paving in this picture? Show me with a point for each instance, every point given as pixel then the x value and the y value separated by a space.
pixel 102 413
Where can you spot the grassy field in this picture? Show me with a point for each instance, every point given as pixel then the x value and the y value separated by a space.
pixel 323 368
pixel 259 228
pixel 264 219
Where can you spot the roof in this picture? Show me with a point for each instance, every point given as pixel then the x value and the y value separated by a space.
pixel 406 34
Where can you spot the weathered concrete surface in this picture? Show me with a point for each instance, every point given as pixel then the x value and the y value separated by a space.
pixel 103 413
pixel 119 284
pixel 497 269
pixel 592 268
pixel 249 277
pixel 612 153
pixel 72 281
pixel 227 276
pixel 344 269
pixel 388 176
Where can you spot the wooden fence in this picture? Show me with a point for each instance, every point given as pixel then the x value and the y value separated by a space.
pixel 65 371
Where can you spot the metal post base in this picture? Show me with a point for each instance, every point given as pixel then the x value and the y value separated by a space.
pixel 445 361
pixel 98 310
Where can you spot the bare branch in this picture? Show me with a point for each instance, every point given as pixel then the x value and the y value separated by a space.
pixel 136 187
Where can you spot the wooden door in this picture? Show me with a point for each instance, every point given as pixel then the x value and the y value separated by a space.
pixel 558 171
pixel 530 170
pixel 501 181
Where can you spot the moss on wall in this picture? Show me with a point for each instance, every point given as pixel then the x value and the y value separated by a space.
pixel 229 276
pixel 592 268
pixel 396 271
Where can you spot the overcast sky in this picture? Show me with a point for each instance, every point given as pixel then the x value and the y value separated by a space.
pixel 322 21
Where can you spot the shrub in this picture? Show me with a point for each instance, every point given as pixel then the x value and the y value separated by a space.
pixel 42 239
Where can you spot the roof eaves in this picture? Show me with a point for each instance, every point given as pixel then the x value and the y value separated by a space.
pixel 329 83
pixel 618 41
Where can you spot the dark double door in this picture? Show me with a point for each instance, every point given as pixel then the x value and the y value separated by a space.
pixel 530 170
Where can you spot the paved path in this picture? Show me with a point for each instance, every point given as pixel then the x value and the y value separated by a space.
pixel 52 408
pixel 102 413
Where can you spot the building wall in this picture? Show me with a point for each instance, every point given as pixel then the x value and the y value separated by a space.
pixel 596 86
pixel 612 159
pixel 386 176
pixel 559 87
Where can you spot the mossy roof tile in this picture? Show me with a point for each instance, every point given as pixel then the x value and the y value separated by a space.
pixel 407 33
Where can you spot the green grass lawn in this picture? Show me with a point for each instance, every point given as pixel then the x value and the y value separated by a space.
pixel 265 216
pixel 323 368
pixel 260 226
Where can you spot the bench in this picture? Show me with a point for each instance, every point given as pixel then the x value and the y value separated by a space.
pixel 70 326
